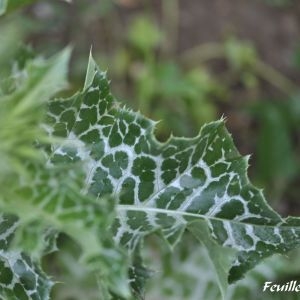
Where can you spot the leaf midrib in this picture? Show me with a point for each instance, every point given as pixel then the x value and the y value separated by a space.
pixel 139 208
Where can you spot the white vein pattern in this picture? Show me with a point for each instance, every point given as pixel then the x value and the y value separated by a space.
pixel 164 187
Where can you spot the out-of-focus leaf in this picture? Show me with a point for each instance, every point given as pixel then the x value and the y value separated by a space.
pixel 276 162
pixel 48 198
pixel 10 35
pixel 188 274
pixel 53 202
pixel 241 55
pixel 3 6
pixel 23 109
pixel 144 35
pixel 20 277
pixel 21 113
pixel 11 5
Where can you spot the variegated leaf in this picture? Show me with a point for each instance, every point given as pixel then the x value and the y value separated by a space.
pixel 46 198
pixel 199 184
pixel 20 278
pixel 21 112
pixel 53 199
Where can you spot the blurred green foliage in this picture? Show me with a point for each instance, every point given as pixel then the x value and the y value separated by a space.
pixel 11 5
pixel 162 88
pixel 277 161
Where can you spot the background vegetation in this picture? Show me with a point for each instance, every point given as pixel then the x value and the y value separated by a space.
pixel 187 62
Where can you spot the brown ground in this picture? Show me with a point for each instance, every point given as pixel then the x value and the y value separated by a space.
pixel 274 31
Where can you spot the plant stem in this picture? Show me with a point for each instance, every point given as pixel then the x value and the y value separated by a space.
pixel 274 77
pixel 209 51
pixel 203 53
pixel 170 10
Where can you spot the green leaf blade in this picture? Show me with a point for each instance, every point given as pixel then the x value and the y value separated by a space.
pixel 167 186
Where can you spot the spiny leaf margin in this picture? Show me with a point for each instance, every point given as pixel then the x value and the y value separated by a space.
pixel 167 187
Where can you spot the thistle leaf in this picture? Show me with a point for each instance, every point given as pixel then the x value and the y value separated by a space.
pixel 20 278
pixel 48 196
pixel 21 113
pixel 199 184
pixel 23 110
